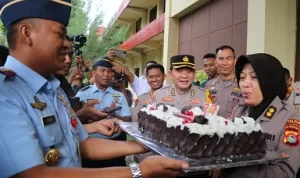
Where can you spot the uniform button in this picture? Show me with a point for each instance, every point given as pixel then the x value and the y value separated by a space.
pixel 52 138
pixel 49 86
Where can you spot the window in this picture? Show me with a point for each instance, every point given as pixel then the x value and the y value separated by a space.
pixel 138 25
pixel 153 14
pixel 137 72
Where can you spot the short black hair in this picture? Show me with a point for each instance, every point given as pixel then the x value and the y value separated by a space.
pixel 12 29
pixel 209 55
pixel 286 73
pixel 4 52
pixel 155 66
pixel 225 47
pixel 153 62
pixel 11 33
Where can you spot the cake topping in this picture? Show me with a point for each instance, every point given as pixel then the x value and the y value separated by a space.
pixel 197 122
pixel 185 109
pixel 200 120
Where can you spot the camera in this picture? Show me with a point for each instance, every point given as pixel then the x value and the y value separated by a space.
pixel 119 77
pixel 78 42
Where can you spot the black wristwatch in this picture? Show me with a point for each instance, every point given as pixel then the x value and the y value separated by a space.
pixel 135 170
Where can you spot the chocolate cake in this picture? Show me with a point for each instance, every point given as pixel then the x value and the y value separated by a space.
pixel 190 133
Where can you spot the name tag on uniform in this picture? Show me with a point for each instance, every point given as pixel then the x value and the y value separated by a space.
pixel 48 120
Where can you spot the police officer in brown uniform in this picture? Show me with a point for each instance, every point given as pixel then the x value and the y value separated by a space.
pixel 263 101
pixel 155 75
pixel 182 93
pixel 293 95
pixel 224 90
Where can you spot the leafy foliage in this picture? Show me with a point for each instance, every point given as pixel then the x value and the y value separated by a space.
pixel 201 76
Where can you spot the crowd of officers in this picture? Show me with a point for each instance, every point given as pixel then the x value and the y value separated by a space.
pixel 49 128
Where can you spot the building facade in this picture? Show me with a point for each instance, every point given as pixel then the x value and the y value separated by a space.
pixel 198 27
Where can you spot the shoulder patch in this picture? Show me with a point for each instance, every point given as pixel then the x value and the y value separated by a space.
pixel 291 133
pixel 7 72
pixel 84 88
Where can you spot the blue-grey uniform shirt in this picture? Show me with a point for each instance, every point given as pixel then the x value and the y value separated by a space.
pixel 25 136
pixel 107 98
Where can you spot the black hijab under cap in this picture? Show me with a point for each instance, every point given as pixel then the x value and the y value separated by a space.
pixel 270 76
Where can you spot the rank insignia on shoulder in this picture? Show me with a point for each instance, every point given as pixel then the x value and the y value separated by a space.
pixel 289 92
pixel 192 92
pixel 173 91
pixel 38 104
pixel 270 112
pixel 212 87
pixel 84 88
pixel 236 89
pixel 7 72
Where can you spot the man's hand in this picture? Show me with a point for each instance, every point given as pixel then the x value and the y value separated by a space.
pixel 158 166
pixel 89 112
pixel 79 60
pixel 75 71
pixel 106 127
pixel 111 54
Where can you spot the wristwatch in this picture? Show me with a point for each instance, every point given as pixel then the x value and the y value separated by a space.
pixel 135 170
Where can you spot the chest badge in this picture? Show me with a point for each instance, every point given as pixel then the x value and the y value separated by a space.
pixel 38 104
pixel 168 99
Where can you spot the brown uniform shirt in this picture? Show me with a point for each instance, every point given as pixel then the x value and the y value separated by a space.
pixel 168 96
pixel 225 94
pixel 282 126
pixel 293 96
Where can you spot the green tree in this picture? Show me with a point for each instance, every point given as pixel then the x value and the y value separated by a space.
pixel 3 40
pixel 201 76
pixel 79 19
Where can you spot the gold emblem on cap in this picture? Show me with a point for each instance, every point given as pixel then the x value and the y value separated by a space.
pixel 52 157
pixel 185 59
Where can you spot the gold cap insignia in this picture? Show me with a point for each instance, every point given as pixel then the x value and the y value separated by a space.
pixel 185 59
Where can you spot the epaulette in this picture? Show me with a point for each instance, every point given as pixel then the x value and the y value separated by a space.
pixel 84 88
pixel 235 80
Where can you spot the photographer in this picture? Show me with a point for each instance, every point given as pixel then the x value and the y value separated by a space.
pixel 78 42
pixel 140 85
pixel 76 80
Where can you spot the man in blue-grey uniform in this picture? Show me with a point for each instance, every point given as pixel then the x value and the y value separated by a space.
pixel 39 131
pixel 101 90
pixel 109 98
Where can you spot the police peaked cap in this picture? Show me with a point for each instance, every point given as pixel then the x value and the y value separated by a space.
pixel 103 63
pixel 182 61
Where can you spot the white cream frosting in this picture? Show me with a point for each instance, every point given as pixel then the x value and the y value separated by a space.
pixel 216 124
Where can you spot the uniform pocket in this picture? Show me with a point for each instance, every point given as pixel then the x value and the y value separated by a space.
pixel 50 135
